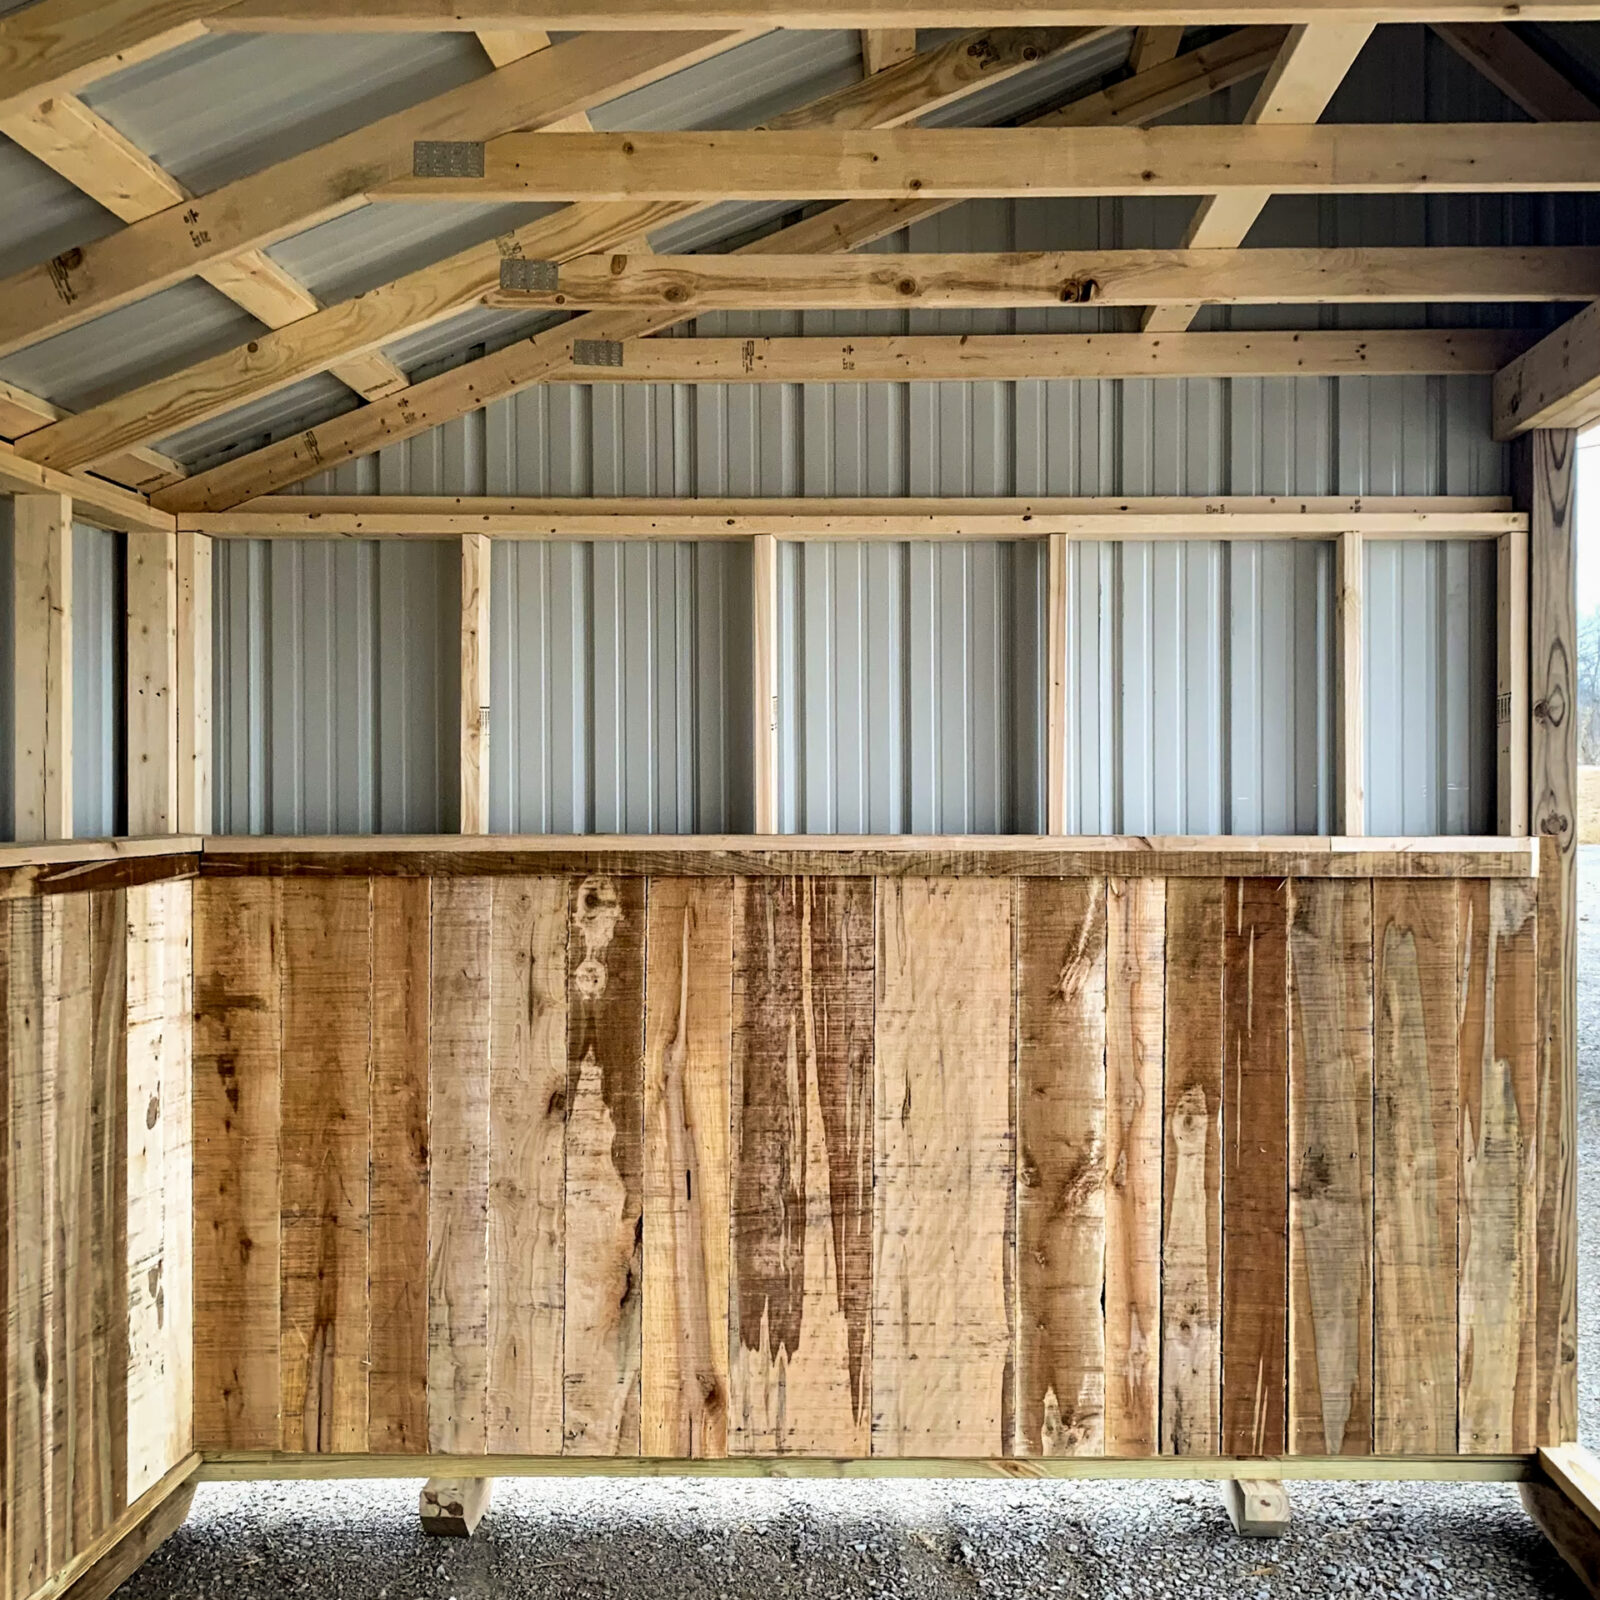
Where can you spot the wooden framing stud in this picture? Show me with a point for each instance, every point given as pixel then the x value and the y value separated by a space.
pixel 1565 1502
pixel 475 680
pixel 1257 1508
pixel 1349 750
pixel 764 682
pixel 453 1507
pixel 152 683
pixel 1056 731
pixel 1511 685
pixel 194 682
pixel 42 666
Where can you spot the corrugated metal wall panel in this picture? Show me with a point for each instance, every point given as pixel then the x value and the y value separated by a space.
pixel 620 693
pixel 336 685
pixel 99 679
pixel 911 687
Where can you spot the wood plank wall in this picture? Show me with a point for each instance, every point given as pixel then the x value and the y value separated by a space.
pixel 96 1243
pixel 839 1166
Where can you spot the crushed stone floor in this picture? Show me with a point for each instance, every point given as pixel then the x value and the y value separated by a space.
pixel 622 1539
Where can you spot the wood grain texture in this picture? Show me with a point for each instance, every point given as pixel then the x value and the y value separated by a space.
pixel 605 1165
pixel 1330 1168
pixel 397 1401
pixel 1255 1181
pixel 325 1152
pixel 941 1331
pixel 1191 1279
pixel 1416 1084
pixel 688 1039
pixel 1061 1167
pixel 527 1163
pixel 1135 1037
pixel 1497 1294
pixel 800 1257
pixel 238 1038
pixel 458 1179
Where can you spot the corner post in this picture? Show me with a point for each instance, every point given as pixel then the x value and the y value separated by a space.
pixel 194 683
pixel 153 692
pixel 42 666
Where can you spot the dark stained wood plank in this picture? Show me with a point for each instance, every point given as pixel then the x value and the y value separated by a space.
pixel 1135 1038
pixel 397 1407
pixel 945 1169
pixel 238 1038
pixel 1255 1179
pixel 458 1181
pixel 324 1154
pixel 527 1164
pixel 1061 1166
pixel 1330 1168
pixel 1416 1073
pixel 688 1041
pixel 800 1268
pixel 1191 1285
pixel 605 1165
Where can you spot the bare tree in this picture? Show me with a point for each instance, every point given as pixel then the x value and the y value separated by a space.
pixel 1589 688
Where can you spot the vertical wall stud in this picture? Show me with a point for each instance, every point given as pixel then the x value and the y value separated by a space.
pixel 42 676
pixel 194 683
pixel 764 637
pixel 1349 744
pixel 1056 710
pixel 1511 685
pixel 152 683
pixel 475 558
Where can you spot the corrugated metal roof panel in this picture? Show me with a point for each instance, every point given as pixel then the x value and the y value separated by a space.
pixel 44 214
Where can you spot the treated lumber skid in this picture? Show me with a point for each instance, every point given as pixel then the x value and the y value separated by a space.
pixel 1257 1508
pixel 1564 1499
pixel 452 1508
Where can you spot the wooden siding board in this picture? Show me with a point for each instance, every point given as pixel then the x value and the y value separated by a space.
pixel 458 1187
pixel 800 1258
pixel 1191 1290
pixel 527 1164
pixel 1330 1168
pixel 1061 1166
pixel 397 1408
pixel 605 1166
pixel 327 1010
pixel 942 1336
pixel 1416 1075
pixel 1255 1182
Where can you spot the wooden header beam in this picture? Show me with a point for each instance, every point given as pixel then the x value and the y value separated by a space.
pixel 94 501
pixel 1556 384
pixel 985 163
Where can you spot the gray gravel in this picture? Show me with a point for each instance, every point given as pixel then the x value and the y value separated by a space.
pixel 622 1539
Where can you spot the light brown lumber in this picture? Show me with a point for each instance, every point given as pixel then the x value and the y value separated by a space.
pixel 331 179
pixel 1058 750
pixel 937 77
pixel 1518 71
pixel 764 680
pixel 1242 165
pixel 93 500
pixel 1349 694
pixel 1313 62
pixel 1330 1167
pixel 98 1570
pixel 194 681
pixel 42 666
pixel 1565 1502
pixel 1191 1267
pixel 1556 384
pixel 800 1258
pixel 688 1029
pixel 452 1508
pixel 1513 705
pixel 1135 1048
pixel 1257 1508
pixel 886 47
pixel 1416 1095
pixel 153 687
pixel 1061 1167
pixel 944 1169
pixel 605 1164
pixel 1177 83
pixel 459 1037
pixel 476 677
pixel 1152 46
pixel 527 1163
pixel 140 468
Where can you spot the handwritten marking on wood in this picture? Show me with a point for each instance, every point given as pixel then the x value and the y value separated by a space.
pixel 527 1163
pixel 1061 1166
pixel 238 1034
pixel 801 1253
pixel 397 1411
pixel 688 1028
pixel 1255 1177
pixel 1498 1207
pixel 327 988
pixel 941 1333
pixel 1330 1167
pixel 1191 1288
pixel 605 1165
pixel 1416 1089
pixel 458 1179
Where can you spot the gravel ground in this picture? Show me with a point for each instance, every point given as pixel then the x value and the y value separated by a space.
pixel 622 1539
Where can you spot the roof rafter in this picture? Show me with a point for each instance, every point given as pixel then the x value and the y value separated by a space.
pixel 139 467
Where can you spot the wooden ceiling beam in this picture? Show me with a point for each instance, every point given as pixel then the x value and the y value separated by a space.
pixel 102 504
pixel 1152 46
pixel 935 78
pixel 1519 72
pixel 334 178
pixel 1556 384
pixel 1236 166
pixel 139 467
pixel 970 280
pixel 886 47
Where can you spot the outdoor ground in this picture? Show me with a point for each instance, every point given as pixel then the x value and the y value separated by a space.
pixel 623 1539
